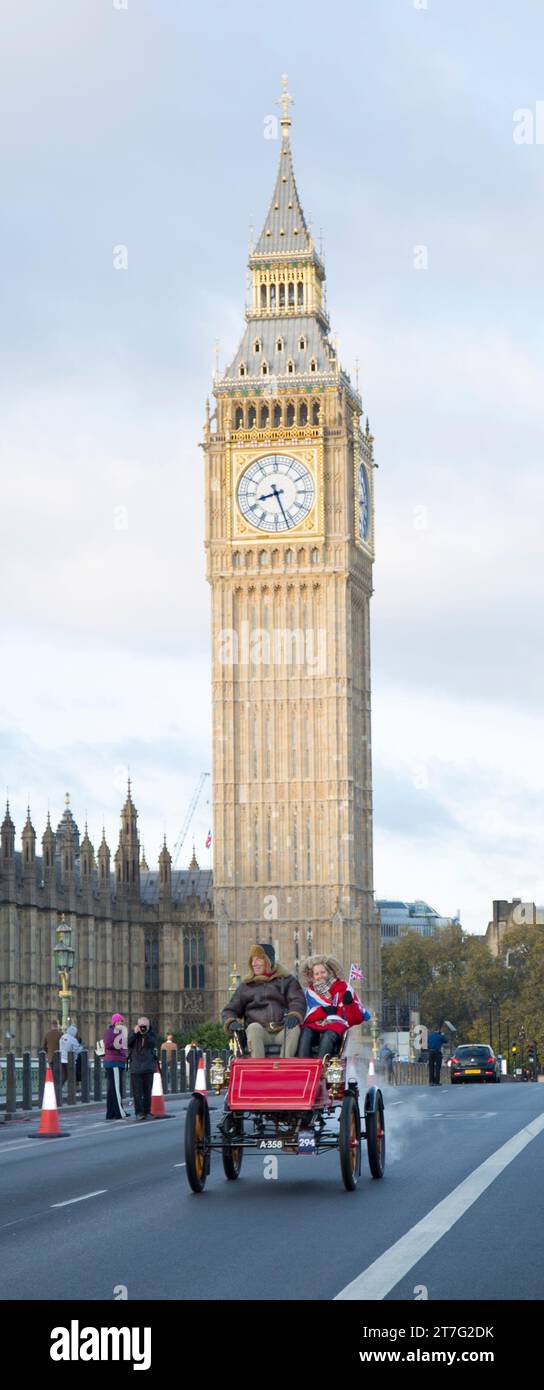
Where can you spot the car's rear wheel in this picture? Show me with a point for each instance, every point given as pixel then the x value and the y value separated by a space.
pixel 232 1155
pixel 197 1139
pixel 375 1139
pixel 349 1142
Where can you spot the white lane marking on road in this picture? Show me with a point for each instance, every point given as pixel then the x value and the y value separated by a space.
pixel 377 1281
pixel 84 1198
pixel 463 1114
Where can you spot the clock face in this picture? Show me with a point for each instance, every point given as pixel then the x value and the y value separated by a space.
pixel 276 493
pixel 364 510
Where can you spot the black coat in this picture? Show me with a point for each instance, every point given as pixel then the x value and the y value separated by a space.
pixel 141 1051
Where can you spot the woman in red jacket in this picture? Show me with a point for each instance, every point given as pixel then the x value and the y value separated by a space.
pixel 331 1008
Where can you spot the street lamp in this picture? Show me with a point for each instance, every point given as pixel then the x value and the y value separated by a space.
pixel 64 960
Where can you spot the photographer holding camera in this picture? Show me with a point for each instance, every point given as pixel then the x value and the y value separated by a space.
pixel 141 1051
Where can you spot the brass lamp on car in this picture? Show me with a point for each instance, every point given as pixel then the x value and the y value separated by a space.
pixel 334 1076
pixel 217 1075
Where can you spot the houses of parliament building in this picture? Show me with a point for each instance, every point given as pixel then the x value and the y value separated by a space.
pixel 144 940
pixel 289 541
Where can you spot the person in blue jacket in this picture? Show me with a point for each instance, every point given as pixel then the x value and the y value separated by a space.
pixel 435 1043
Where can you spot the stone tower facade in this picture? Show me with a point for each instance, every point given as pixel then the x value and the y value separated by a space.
pixel 289 540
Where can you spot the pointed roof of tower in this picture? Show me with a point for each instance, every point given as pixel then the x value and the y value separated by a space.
pixel 86 843
pixel 48 834
pixel 7 823
pixel 165 857
pixel 285 228
pixel 194 862
pixel 103 847
pixel 144 866
pixel 28 826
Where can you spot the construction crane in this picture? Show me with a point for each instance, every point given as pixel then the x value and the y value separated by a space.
pixel 190 813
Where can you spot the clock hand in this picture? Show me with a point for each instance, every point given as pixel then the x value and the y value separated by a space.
pixel 265 495
pixel 278 498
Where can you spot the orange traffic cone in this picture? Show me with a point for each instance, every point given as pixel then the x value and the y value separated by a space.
pixel 49 1127
pixel 158 1108
pixel 200 1083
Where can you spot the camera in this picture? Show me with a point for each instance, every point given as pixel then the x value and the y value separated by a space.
pixel 143 1028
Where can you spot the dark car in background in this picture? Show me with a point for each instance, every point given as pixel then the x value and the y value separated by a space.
pixel 474 1062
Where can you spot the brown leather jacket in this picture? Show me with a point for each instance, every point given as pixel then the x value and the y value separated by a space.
pixel 266 999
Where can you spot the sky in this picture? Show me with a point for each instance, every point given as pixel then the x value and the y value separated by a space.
pixel 141 124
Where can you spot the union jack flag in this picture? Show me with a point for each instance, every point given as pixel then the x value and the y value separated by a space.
pixel 355 972
pixel 208 839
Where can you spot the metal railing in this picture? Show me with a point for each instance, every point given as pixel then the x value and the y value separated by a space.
pixel 82 1080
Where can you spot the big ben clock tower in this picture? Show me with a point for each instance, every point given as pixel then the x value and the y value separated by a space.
pixel 289 540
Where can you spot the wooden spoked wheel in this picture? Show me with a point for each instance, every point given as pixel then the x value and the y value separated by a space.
pixel 349 1142
pixel 197 1136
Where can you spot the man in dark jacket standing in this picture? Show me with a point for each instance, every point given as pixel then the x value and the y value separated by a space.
pixel 269 1005
pixel 141 1050
pixel 435 1043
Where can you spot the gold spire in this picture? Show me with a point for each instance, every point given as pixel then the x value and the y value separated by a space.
pixel 67 799
pixel 285 101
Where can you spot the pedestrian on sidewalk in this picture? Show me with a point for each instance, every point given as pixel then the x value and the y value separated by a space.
pixel 52 1040
pixel 142 1054
pixel 68 1043
pixel 115 1061
pixel 435 1043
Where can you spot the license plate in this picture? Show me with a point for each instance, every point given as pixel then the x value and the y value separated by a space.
pixel 306 1144
pixel 473 1071
pixel 275 1144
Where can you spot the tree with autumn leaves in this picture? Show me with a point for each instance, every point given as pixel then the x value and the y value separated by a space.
pixel 455 976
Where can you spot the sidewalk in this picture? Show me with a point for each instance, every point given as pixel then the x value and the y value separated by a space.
pixel 92 1107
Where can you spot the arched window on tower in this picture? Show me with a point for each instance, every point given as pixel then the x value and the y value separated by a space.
pixel 242 368
pixel 263 296
pixel 279 344
pixel 303 414
pixel 257 345
pixel 290 367
pixel 238 417
pixel 313 365
pixel 272 296
pixel 282 296
pixel 277 414
pixel 300 292
pixel 315 413
pixel 290 413
pixel 251 416
pixel 194 960
pixel 289 556
pixel 302 343
pixel 291 294
pixel 265 416
pixel 264 369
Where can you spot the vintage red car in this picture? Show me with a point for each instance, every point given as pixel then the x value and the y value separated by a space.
pixel 283 1105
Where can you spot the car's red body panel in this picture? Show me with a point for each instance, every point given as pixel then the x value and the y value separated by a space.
pixel 274 1083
